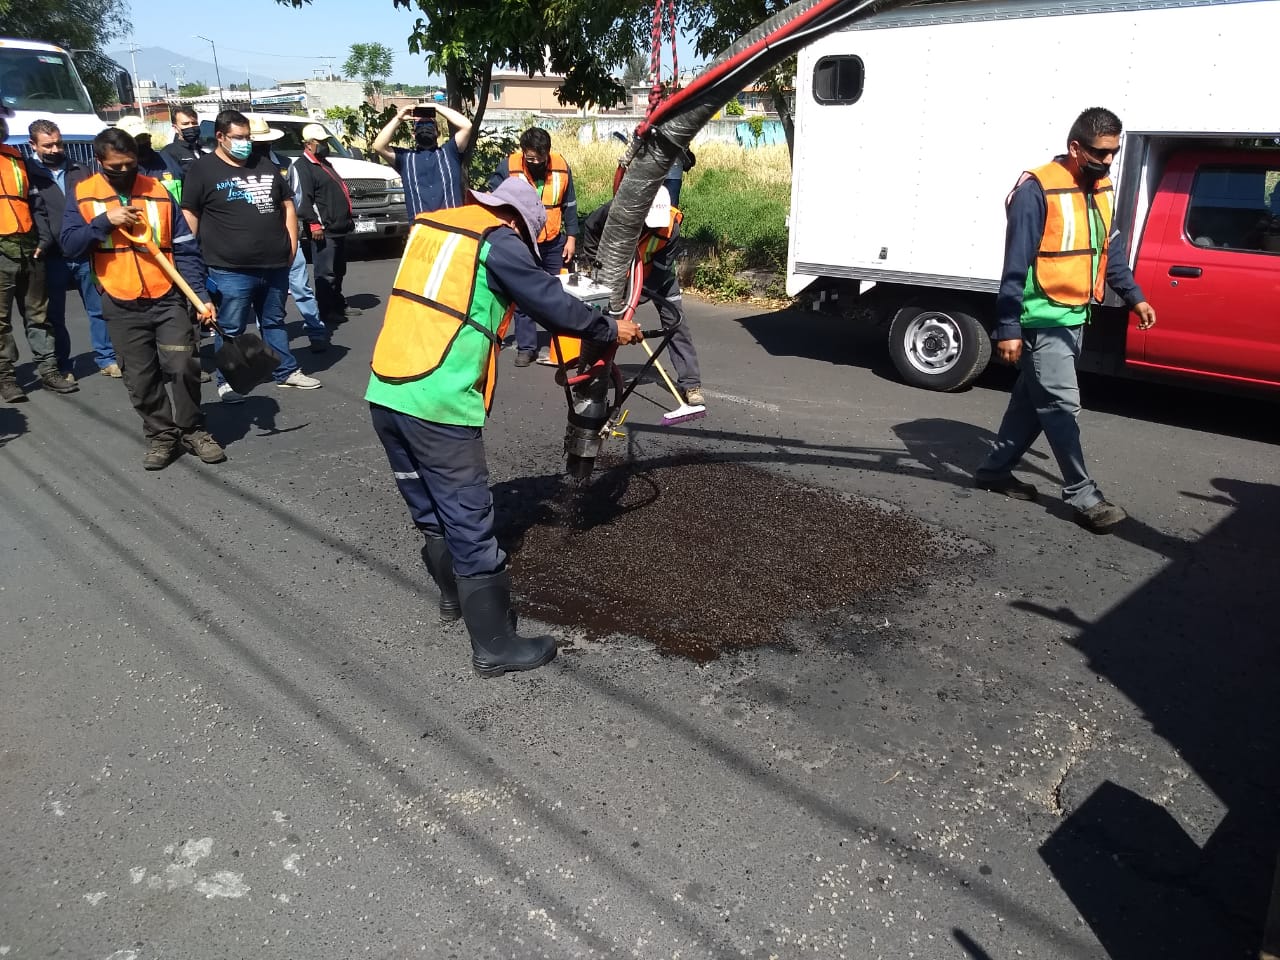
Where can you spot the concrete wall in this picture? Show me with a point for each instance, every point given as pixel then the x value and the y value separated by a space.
pixel 590 129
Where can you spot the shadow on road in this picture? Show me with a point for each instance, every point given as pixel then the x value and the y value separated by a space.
pixel 1195 649
pixel 230 422
pixel 13 424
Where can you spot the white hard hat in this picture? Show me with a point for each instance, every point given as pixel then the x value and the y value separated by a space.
pixel 659 214
pixel 133 126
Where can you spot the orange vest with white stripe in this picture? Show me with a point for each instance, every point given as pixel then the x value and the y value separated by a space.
pixel 439 303
pixel 653 239
pixel 1064 264
pixel 15 187
pixel 554 185
pixel 124 269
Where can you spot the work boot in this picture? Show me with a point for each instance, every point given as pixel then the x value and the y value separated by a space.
pixel 496 648
pixel 10 392
pixel 204 446
pixel 57 382
pixel 1008 485
pixel 439 561
pixel 1101 517
pixel 160 453
pixel 694 398
pixel 525 357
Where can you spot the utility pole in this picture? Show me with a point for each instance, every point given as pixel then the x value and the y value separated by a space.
pixel 133 58
pixel 216 72
pixel 248 83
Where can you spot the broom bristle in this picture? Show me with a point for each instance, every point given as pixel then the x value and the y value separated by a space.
pixel 684 413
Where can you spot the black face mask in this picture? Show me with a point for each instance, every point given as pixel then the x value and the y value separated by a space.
pixel 537 170
pixel 54 160
pixel 322 151
pixel 1093 171
pixel 426 134
pixel 121 180
pixel 190 136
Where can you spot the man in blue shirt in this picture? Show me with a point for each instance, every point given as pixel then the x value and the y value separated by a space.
pixel 431 171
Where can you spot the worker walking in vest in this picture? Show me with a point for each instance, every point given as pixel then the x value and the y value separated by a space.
pixel 434 370
pixel 550 176
pixel 145 313
pixel 659 244
pixel 22 277
pixel 1061 253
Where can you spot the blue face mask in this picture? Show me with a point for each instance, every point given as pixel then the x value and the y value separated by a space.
pixel 240 149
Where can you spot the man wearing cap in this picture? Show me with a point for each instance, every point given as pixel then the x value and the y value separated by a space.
pixel 56 176
pixel 304 297
pixel 549 173
pixel 22 276
pixel 150 163
pixel 431 171
pixel 657 249
pixel 240 208
pixel 431 389
pixel 324 212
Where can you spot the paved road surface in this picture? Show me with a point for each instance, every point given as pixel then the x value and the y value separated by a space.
pixel 233 729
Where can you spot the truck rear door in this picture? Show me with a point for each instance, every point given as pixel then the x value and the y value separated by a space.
pixel 1212 271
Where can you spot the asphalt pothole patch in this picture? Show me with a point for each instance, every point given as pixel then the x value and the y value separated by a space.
pixel 703 557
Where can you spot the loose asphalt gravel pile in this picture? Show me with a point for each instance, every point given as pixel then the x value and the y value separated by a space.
pixel 699 557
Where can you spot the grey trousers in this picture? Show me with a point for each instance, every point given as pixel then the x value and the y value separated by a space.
pixel 1046 399
pixel 22 282
pixel 663 288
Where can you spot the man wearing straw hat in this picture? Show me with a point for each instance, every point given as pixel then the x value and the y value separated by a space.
pixel 145 313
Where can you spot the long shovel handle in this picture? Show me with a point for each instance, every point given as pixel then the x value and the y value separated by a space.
pixel 658 363
pixel 145 239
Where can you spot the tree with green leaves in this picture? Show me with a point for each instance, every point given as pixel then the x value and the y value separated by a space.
pixel 718 23
pixel 371 62
pixel 82 26
pixel 195 89
pixel 582 40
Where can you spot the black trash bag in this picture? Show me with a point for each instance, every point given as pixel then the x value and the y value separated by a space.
pixel 245 361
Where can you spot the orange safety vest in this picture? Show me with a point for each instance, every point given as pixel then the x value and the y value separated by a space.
pixel 652 240
pixel 15 187
pixel 436 296
pixel 118 266
pixel 554 185
pixel 1064 265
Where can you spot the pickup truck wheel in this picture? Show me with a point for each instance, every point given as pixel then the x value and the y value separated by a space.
pixel 938 349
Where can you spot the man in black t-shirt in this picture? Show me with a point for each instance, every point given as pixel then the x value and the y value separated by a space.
pixel 242 211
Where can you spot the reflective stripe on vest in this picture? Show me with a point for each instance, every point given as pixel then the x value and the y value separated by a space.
pixel 653 240
pixel 554 186
pixel 122 269
pixel 434 299
pixel 15 212
pixel 1064 269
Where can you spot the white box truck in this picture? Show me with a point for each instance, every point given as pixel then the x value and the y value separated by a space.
pixel 913 127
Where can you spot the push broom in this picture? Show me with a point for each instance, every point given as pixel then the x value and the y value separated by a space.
pixel 683 410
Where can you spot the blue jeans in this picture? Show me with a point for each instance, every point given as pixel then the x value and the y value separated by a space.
pixel 245 296
pixel 441 472
pixel 552 252
pixel 304 298
pixel 60 275
pixel 1046 399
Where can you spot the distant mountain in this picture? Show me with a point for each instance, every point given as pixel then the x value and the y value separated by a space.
pixel 157 63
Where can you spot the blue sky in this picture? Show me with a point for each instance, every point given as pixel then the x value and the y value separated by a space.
pixel 282 42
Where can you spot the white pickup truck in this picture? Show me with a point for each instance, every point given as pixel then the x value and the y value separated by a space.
pixel 377 193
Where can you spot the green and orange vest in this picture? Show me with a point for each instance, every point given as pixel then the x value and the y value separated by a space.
pixel 1064 268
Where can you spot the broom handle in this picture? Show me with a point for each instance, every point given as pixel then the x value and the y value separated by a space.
pixel 165 264
pixel 658 363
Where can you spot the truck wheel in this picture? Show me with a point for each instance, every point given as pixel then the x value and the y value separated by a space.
pixel 938 349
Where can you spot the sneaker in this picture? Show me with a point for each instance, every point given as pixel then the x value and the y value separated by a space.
pixel 227 395
pixel 55 381
pixel 693 397
pixel 204 376
pixel 160 454
pixel 299 380
pixel 544 357
pixel 525 357
pixel 112 370
pixel 204 446
pixel 10 392
pixel 349 312
pixel 319 346
pixel 1101 517
pixel 1011 487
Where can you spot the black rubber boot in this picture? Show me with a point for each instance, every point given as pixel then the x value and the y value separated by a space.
pixel 439 561
pixel 496 648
